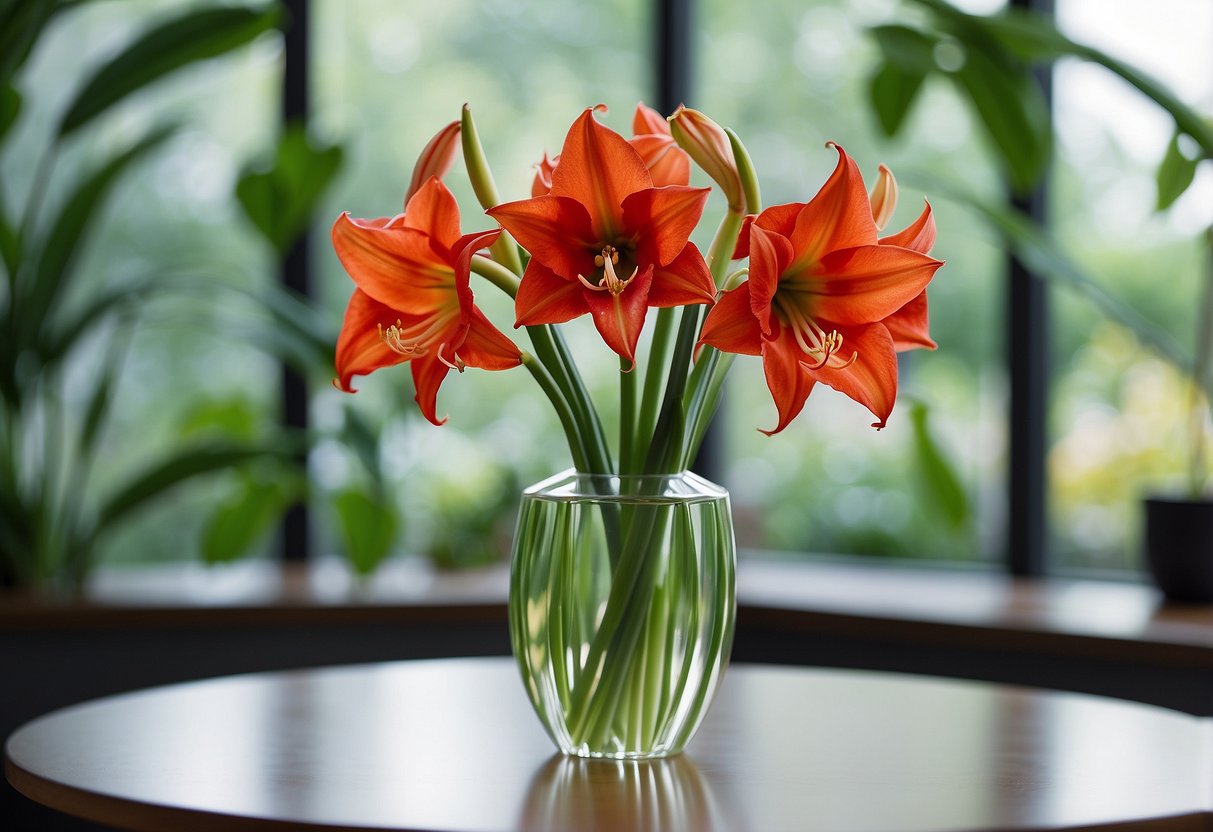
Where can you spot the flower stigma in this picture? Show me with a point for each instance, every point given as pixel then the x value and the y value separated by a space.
pixel 814 341
pixel 610 282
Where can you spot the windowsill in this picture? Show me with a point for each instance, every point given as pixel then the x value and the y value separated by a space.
pixel 899 601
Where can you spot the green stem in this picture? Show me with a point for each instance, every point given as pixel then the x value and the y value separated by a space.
pixel 495 273
pixel 659 353
pixel 670 428
pixel 505 250
pixel 627 414
pixel 563 411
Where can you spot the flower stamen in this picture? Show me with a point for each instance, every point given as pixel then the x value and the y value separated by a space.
pixel 457 365
pixel 610 281
pixel 815 342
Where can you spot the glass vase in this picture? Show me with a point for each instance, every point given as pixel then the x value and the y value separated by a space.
pixel 622 604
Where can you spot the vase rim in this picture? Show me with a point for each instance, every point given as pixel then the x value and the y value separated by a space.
pixel 582 482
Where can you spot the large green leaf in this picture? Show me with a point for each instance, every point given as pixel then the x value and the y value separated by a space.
pixel 280 201
pixel 181 466
pixel 241 521
pixel 943 487
pixel 191 37
pixel 892 92
pixel 10 108
pixel 368 528
pixel 1013 111
pixel 21 22
pixel 1175 174
pixel 58 252
pixel 908 49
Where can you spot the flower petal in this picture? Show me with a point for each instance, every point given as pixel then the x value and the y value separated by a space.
pixel 872 379
pixel 435 159
pixel 778 218
pixel 866 284
pixel 919 235
pixel 840 216
pixel 883 197
pixel 486 347
pixel 546 298
pixel 647 120
pixel 619 318
pixel 433 209
pixel 395 266
pixel 554 229
pixel 770 254
pixel 599 169
pixel 787 379
pixel 908 326
pixel 428 373
pixel 542 184
pixel 731 326
pixel 360 349
pixel 684 281
pixel 664 218
pixel 668 164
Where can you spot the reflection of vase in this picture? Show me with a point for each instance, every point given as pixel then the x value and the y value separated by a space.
pixel 1179 548
pixel 599 796
pixel 621 608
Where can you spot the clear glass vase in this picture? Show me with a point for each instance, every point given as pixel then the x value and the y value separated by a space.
pixel 622 604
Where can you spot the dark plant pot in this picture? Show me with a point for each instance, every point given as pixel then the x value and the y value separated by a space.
pixel 1179 548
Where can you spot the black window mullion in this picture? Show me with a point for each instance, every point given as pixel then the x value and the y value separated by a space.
pixel 295 537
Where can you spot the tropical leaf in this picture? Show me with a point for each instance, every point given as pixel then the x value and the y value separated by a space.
pixel 21 22
pixel 191 37
pixel 943 487
pixel 892 92
pixel 368 528
pixel 1175 174
pixel 242 521
pixel 10 108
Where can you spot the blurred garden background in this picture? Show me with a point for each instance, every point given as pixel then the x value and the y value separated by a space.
pixel 204 359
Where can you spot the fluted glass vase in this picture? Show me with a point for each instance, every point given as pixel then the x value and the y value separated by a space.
pixel 622 604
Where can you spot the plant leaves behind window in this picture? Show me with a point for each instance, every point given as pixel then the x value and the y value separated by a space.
pixel 241 521
pixel 892 92
pixel 10 108
pixel 1175 174
pixel 194 36
pixel 1013 110
pixel 910 50
pixel 21 21
pixel 943 486
pixel 176 469
pixel 234 417
pixel 280 201
pixel 35 301
pixel 368 528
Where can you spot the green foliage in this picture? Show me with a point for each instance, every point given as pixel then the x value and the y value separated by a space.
pixel 1175 173
pixel 281 201
pixel 179 42
pixel 941 484
pixel 368 526
pixel 53 317
pixel 241 521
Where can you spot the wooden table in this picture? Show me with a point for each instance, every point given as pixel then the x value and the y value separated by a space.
pixel 453 745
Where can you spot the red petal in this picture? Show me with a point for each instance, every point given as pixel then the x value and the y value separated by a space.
pixel 872 379
pixel 731 326
pixel 919 235
pixel 428 373
pixel 840 216
pixel 647 120
pixel 554 229
pixel 360 349
pixel 778 218
pixel 769 256
pixel 686 280
pixel 788 381
pixel 546 298
pixel 435 159
pixel 866 284
pixel 599 169
pixel 396 266
pixel 668 163
pixel 433 209
pixel 663 219
pixel 542 183
pixel 619 318
pixel 908 326
pixel 486 347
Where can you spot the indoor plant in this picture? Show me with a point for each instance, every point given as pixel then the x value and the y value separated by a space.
pixel 621 604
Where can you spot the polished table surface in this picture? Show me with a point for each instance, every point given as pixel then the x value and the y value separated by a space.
pixel 453 745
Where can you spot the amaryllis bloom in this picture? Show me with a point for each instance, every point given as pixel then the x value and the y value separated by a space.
pixel 821 285
pixel 414 301
pixel 710 147
pixel 435 159
pixel 668 164
pixel 605 241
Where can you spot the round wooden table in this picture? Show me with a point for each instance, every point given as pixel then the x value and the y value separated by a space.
pixel 453 745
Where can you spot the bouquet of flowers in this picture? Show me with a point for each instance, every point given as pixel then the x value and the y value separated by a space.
pixel 812 288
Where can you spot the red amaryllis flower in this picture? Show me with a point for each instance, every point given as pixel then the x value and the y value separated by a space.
pixel 668 163
pixel 821 285
pixel 414 302
pixel 606 242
